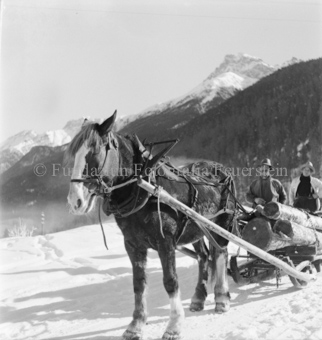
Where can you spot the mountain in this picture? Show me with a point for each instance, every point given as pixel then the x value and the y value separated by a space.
pixel 24 195
pixel 15 147
pixel 235 73
pixel 12 149
pixel 280 117
pixel 292 61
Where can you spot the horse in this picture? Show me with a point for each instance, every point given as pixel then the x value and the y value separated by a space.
pixel 105 164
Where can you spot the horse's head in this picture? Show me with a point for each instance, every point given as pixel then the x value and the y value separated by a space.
pixel 95 147
pixel 99 154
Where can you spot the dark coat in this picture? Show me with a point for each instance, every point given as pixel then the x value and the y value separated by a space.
pixel 270 189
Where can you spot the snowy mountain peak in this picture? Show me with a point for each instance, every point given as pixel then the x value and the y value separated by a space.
pixel 73 126
pixel 236 72
pixel 13 148
pixel 290 62
pixel 21 137
pixel 243 65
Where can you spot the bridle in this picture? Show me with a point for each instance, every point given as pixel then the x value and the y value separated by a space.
pixel 105 190
pixel 97 179
pixel 102 188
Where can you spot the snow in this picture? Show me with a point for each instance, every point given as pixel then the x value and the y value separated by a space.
pixel 209 89
pixel 236 71
pixel 22 137
pixel 66 286
pixel 24 141
pixel 244 64
pixel 54 138
pixel 290 62
pixel 72 127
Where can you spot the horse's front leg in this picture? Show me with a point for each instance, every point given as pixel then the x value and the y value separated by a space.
pixel 138 257
pixel 200 295
pixel 170 280
pixel 222 296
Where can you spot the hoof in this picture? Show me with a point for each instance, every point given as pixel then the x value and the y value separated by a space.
pixel 222 307
pixel 171 336
pixel 129 335
pixel 196 306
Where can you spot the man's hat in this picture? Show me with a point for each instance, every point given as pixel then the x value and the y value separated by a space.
pixel 308 164
pixel 267 161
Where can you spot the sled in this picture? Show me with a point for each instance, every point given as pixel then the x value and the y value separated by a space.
pixel 260 263
pixel 249 268
pixel 295 239
pixel 252 269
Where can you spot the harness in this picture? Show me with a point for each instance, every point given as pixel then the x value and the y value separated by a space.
pixel 137 200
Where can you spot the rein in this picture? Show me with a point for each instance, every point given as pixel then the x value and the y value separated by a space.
pixel 104 190
pixel 100 182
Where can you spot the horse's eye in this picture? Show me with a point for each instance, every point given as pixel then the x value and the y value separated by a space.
pixel 91 154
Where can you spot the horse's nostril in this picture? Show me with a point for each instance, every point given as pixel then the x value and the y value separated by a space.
pixel 79 203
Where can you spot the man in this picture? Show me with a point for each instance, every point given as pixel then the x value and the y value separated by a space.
pixel 306 190
pixel 265 189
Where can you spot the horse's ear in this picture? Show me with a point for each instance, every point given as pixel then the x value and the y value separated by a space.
pixel 107 125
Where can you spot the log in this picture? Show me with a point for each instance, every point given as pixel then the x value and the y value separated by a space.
pixel 298 234
pixel 260 233
pixel 276 211
pixel 166 198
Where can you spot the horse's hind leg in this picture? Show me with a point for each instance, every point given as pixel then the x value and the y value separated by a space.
pixel 170 280
pixel 138 257
pixel 200 295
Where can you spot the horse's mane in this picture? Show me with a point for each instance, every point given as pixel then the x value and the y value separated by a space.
pixel 89 134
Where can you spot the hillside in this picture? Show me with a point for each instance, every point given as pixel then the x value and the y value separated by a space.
pixel 235 73
pixel 278 117
pixel 25 196
pixel 15 147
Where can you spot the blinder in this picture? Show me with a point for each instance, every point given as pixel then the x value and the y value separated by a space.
pixel 111 156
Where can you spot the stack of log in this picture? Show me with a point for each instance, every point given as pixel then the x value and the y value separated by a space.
pixel 280 226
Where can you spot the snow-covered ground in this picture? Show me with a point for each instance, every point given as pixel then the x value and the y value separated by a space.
pixel 66 286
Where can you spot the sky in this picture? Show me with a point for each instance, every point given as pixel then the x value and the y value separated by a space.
pixel 67 59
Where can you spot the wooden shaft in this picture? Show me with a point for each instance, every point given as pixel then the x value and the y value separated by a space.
pixel 167 199
pixel 276 211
